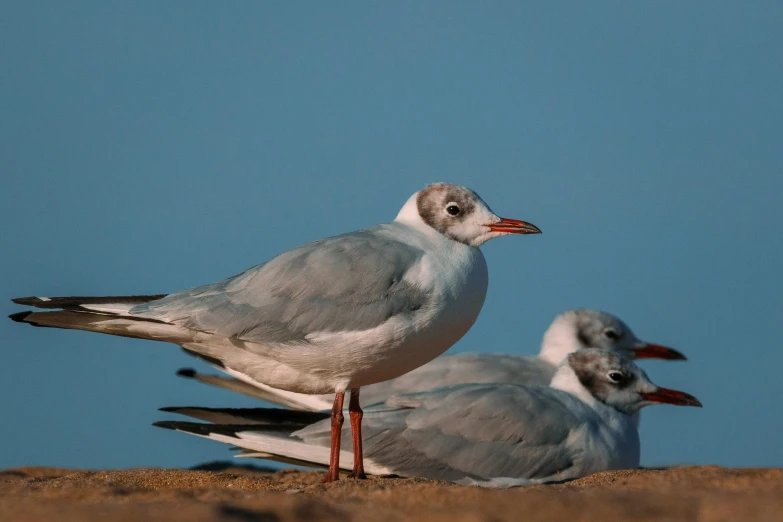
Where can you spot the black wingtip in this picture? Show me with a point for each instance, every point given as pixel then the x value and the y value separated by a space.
pixel 19 317
pixel 171 409
pixel 198 428
pixel 169 425
pixel 77 301
pixel 26 301
pixel 186 372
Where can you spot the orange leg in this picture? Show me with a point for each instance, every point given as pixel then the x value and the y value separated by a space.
pixel 337 425
pixel 355 412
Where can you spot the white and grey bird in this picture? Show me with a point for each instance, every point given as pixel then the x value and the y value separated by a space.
pixel 570 331
pixel 332 315
pixel 484 434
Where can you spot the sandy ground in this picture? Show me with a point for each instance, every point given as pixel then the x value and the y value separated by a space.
pixel 236 494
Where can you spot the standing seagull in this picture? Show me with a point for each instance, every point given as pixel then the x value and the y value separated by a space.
pixel 570 331
pixel 335 314
pixel 485 434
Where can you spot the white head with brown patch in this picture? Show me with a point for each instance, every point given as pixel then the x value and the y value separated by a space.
pixel 584 328
pixel 460 214
pixel 612 378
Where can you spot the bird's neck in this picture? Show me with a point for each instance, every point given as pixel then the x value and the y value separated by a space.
pixel 559 340
pixel 565 379
pixel 409 217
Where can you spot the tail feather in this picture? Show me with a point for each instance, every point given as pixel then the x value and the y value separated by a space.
pixel 114 315
pixel 267 443
pixel 251 454
pixel 106 314
pixel 229 434
pixel 112 324
pixel 264 444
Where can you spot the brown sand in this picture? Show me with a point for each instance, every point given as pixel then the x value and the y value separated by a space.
pixel 234 494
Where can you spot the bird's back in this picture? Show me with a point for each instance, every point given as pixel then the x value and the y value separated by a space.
pixel 464 368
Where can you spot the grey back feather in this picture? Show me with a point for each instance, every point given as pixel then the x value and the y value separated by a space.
pixel 348 282
pixel 464 368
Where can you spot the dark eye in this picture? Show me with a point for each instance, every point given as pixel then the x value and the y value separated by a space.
pixel 615 377
pixel 452 209
pixel 611 334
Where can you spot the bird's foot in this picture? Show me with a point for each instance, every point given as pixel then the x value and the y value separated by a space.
pixel 331 478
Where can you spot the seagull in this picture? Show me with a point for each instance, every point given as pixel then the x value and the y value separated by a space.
pixel 481 434
pixel 329 316
pixel 570 331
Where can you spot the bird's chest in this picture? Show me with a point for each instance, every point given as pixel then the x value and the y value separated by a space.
pixel 613 444
pixel 458 289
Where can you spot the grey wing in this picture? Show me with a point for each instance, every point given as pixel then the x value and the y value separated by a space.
pixel 474 431
pixel 464 368
pixel 349 282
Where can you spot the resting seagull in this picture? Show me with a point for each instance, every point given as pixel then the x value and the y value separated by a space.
pixel 333 315
pixel 482 434
pixel 570 331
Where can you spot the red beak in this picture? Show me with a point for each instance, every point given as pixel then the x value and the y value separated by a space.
pixel 667 396
pixel 513 226
pixel 657 351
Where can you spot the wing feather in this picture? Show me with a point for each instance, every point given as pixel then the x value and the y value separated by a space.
pixel 351 282
pixel 480 431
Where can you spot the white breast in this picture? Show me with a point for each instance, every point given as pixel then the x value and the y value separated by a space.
pixel 606 439
pixel 459 280
pixel 456 280
pixel 611 443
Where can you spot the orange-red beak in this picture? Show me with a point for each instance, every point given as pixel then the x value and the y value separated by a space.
pixel 657 351
pixel 513 226
pixel 667 396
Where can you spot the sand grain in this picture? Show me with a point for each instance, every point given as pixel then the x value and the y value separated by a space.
pixel 234 494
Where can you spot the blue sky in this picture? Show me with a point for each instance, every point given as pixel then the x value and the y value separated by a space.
pixel 148 147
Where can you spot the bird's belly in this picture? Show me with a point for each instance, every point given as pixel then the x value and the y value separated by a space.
pixel 417 347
